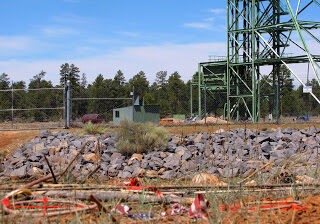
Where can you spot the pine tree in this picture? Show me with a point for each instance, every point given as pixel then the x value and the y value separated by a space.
pixel 140 83
pixel 70 73
pixel 5 97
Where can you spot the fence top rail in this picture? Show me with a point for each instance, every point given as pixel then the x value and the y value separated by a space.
pixel 101 98
pixel 26 109
pixel 10 90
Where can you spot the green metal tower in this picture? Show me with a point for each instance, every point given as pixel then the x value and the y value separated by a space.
pixel 259 33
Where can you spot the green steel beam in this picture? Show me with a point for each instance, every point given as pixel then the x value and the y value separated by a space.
pixel 228 62
pixel 316 2
pixel 297 26
pixel 199 90
pixel 256 36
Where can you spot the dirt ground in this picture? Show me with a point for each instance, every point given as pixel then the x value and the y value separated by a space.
pixel 10 140
pixel 310 215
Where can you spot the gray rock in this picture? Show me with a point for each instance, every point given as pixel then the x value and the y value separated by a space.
pixel 105 157
pixel 172 162
pixel 33 159
pixel 186 156
pixel 116 155
pixel 167 175
pixel 136 171
pixel 110 149
pixel 171 147
pixel 128 169
pixel 108 142
pixel 192 166
pixel 77 144
pixel 266 147
pixel 38 146
pixel 44 134
pixel 20 172
pixel 55 142
pixel 124 174
pixel 116 161
pixel 287 130
pixel 144 164
pixel 229 172
pixel 113 171
pixel 262 139
pixel 156 162
pixel 212 170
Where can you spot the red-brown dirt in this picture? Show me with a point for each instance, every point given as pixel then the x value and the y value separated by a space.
pixel 9 140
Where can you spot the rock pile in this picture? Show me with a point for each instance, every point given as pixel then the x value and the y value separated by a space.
pixel 228 154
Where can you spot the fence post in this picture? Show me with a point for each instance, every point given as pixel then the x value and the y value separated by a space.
pixel 12 106
pixel 205 102
pixel 133 104
pixel 68 104
pixel 65 105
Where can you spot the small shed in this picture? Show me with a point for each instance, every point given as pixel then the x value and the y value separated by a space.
pixel 142 113
pixel 179 116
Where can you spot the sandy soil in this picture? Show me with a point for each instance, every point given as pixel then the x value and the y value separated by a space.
pixel 10 140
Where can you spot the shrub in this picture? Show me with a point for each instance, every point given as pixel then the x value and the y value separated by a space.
pixel 93 129
pixel 138 138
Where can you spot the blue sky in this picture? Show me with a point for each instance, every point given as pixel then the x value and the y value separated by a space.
pixel 52 31
pixel 102 36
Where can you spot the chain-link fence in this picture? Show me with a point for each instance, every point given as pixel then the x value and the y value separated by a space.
pixel 41 108
pixel 103 106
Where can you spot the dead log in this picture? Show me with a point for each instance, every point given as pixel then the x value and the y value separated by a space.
pixel 113 195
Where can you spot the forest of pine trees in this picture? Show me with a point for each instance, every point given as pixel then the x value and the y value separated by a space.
pixel 168 91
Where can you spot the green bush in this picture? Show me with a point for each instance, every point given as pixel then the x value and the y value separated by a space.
pixel 93 129
pixel 138 138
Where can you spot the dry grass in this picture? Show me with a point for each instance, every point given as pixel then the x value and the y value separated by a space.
pixel 138 138
pixel 216 199
pixel 93 129
pixel 31 125
pixel 194 129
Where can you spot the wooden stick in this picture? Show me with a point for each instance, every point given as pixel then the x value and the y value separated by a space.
pixel 81 150
pixel 255 172
pixel 98 147
pixel 50 168
pixel 112 187
pixel 114 195
pixel 91 173
pixel 293 216
pixel 99 204
pixel 102 208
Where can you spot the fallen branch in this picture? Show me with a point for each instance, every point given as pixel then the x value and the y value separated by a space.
pixel 102 208
pixel 51 171
pixel 46 186
pixel 257 171
pixel 81 150
pixel 113 195
pixel 91 173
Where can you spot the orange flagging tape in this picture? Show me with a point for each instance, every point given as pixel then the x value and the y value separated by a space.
pixel 135 185
pixel 6 202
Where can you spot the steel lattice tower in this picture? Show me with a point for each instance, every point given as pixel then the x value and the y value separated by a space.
pixel 259 32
